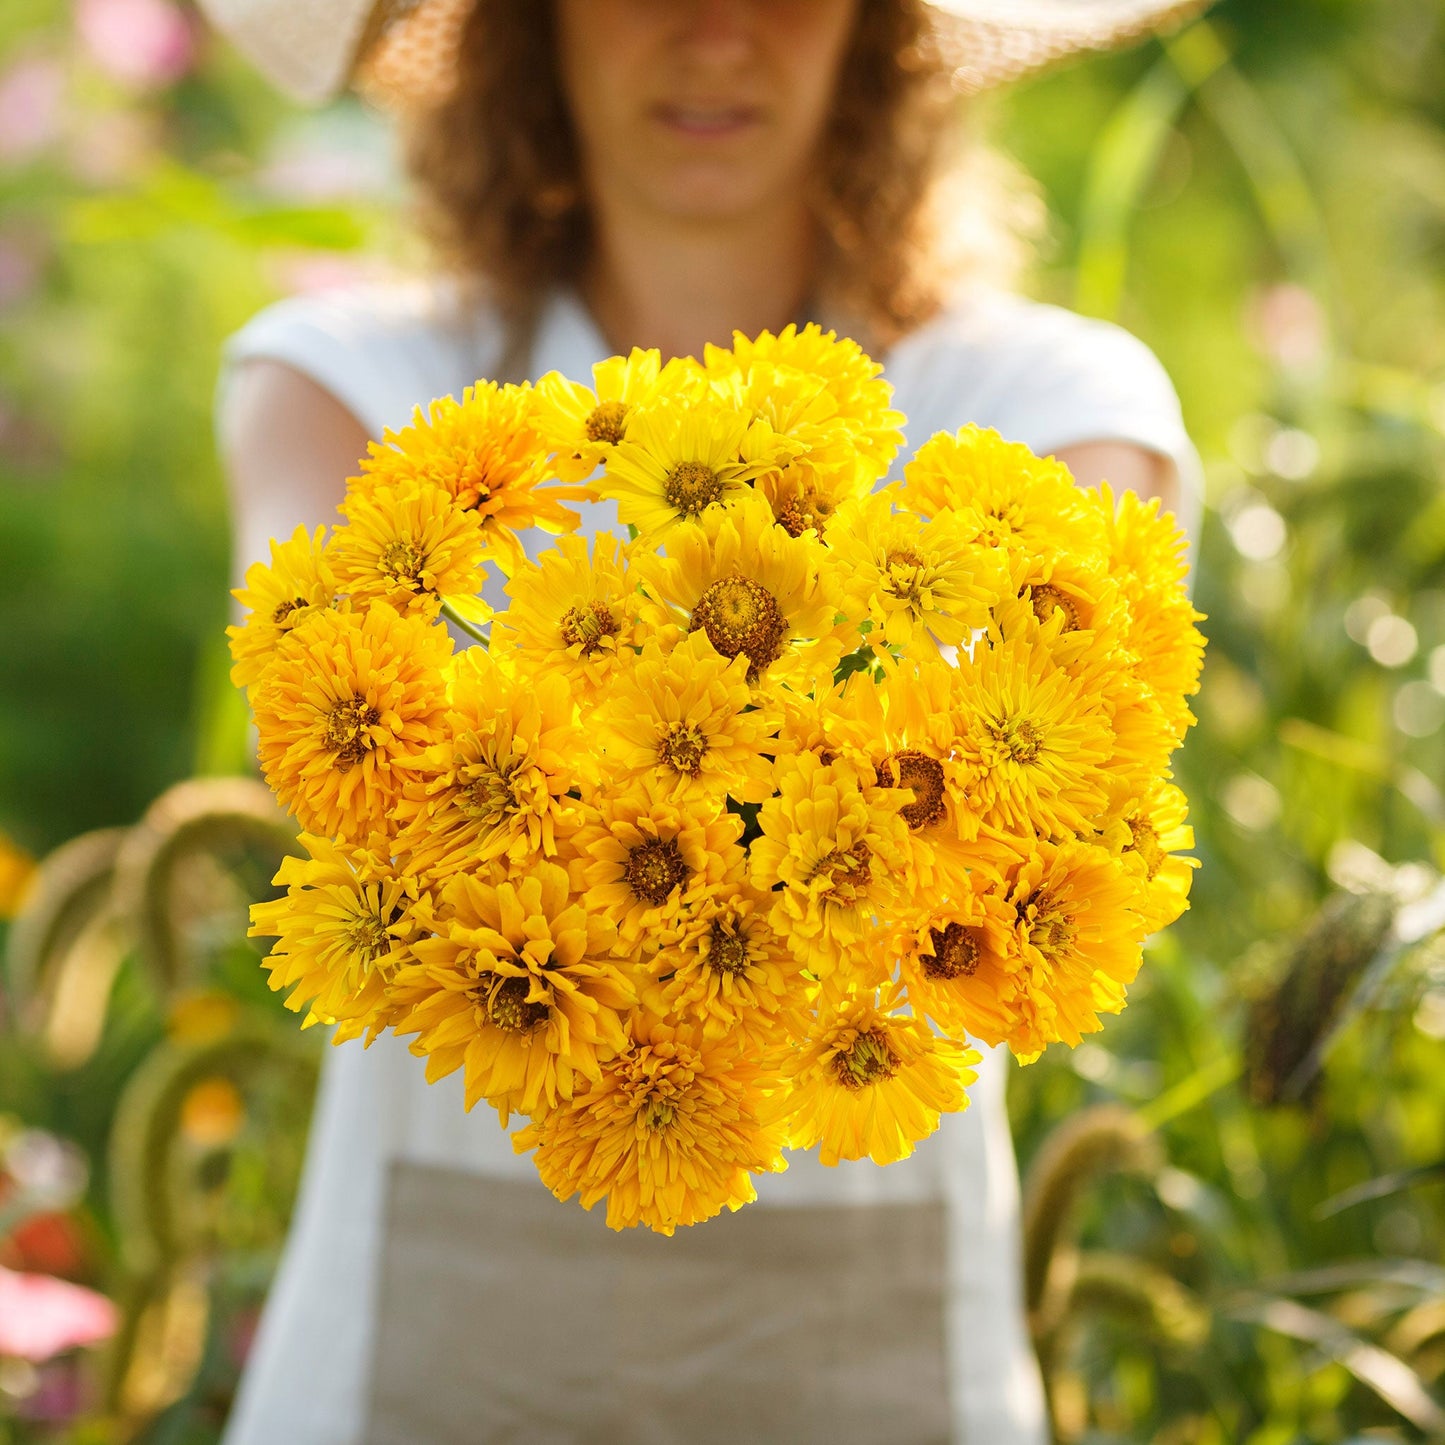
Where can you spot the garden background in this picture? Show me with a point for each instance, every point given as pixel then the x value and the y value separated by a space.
pixel 1236 1192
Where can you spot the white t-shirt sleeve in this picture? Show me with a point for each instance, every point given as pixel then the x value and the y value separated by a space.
pixel 381 350
pixel 1062 380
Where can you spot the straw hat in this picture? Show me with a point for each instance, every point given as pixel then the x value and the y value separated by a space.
pixel 400 51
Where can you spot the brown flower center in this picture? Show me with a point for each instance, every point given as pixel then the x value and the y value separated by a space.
pixel 955 952
pixel 741 616
pixel 1146 845
pixel 1048 599
pixel 848 872
pixel 654 869
pixel 511 1011
pixel 866 1061
pixel 691 487
pixel 727 951
pixel 402 561
pixel 805 511
pixel 1020 738
pixel 607 422
pixel 682 749
pixel 285 609
pixel 586 625
pixel 913 769
pixel 346 732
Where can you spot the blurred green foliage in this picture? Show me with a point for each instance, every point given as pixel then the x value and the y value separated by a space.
pixel 1262 199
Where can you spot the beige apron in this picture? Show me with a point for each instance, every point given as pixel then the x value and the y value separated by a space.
pixel 505 1316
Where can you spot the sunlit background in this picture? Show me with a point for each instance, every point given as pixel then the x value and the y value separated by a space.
pixel 1235 1193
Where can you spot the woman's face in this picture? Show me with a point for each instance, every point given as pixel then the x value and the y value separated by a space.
pixel 701 109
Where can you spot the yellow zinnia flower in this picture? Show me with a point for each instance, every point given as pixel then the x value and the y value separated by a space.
pixel 807 724
pixel 1098 661
pixel 496 784
pixel 679 461
pixel 570 615
pixel 1073 941
pixel 515 988
pixel 349 693
pixel 907 577
pixel 730 973
pixel 486 451
pixel 277 598
pixel 868 424
pixel 685 718
pixel 830 853
pixel 870 1084
pixel 1033 740
pixel 954 963
pixel 640 857
pixel 413 547
pixel 669 1136
pixel 582 426
pixel 754 590
pixel 1009 497
pixel 1148 834
pixel 1041 583
pixel 821 451
pixel 1146 554
pixel 343 927
pixel 805 496
pixel 898 722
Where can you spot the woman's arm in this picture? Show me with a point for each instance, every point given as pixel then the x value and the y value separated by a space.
pixel 1125 467
pixel 288 447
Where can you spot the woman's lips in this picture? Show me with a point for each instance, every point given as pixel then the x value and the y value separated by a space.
pixel 707 122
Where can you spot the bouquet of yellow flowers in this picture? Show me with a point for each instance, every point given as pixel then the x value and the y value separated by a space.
pixel 728 833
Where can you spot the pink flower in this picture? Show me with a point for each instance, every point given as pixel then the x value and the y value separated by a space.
pixel 1289 325
pixel 41 1316
pixel 31 93
pixel 143 43
pixel 19 270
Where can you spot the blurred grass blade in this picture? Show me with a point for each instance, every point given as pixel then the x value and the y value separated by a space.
pixel 79 996
pixel 148 1191
pixel 1104 1139
pixel 1363 757
pixel 1190 1092
pixel 1381 1188
pixel 1386 1374
pixel 194 820
pixel 1120 166
pixel 69 888
pixel 1139 1295
pixel 1280 187
pixel 1417 1274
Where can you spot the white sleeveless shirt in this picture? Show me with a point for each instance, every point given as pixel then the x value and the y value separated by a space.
pixel 855 1302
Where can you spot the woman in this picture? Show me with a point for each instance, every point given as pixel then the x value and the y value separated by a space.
pixel 612 173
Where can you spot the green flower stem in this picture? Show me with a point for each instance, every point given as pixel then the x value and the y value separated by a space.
pixel 477 636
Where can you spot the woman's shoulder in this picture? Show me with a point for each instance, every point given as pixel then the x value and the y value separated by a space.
pixel 1037 373
pixel 381 348
pixel 996 334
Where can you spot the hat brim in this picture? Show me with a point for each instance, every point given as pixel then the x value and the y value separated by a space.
pixel 402 52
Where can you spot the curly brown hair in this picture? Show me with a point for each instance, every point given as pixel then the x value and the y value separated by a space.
pixel 497 166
